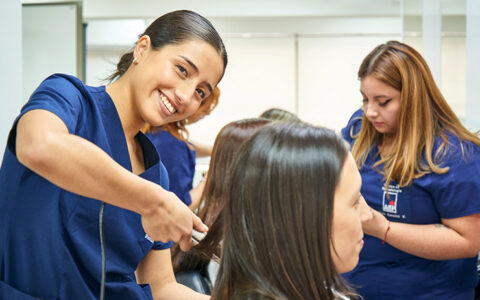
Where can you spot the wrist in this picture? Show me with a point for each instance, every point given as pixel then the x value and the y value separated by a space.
pixel 155 198
pixel 387 230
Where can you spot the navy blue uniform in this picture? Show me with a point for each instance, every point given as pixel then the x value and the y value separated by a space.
pixel 179 160
pixel 385 272
pixel 49 237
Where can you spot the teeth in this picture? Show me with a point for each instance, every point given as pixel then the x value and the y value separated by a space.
pixel 167 104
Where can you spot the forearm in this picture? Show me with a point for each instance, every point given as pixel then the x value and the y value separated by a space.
pixel 202 150
pixel 44 145
pixel 196 195
pixel 454 238
pixel 156 269
pixel 176 291
pixel 433 241
pixel 81 167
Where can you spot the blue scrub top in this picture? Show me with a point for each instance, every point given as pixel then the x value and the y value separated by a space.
pixel 179 160
pixel 49 237
pixel 385 272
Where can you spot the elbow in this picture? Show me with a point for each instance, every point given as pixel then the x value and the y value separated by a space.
pixel 33 154
pixel 475 252
pixel 471 251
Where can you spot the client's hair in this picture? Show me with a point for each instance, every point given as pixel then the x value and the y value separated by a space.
pixel 278 114
pixel 227 143
pixel 278 215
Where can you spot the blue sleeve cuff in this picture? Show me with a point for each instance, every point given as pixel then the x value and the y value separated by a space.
pixel 162 246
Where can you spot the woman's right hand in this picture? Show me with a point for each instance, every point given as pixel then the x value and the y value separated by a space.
pixel 172 220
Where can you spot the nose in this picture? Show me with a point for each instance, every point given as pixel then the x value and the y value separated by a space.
pixel 184 93
pixel 365 211
pixel 369 110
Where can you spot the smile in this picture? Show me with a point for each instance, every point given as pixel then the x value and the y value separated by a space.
pixel 167 104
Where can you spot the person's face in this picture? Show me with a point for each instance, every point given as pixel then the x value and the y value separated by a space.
pixel 170 83
pixel 381 104
pixel 349 211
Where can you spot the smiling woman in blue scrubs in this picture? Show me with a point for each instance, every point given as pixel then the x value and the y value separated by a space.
pixel 74 145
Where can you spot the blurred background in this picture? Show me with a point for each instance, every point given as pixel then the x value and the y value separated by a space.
pixel 300 55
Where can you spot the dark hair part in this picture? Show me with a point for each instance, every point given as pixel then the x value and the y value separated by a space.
pixel 174 28
pixel 278 216
pixel 278 114
pixel 227 143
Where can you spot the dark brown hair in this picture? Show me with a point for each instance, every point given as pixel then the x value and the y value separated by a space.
pixel 278 114
pixel 227 143
pixel 278 215
pixel 174 28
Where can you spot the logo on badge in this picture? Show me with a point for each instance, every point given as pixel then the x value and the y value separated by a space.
pixel 390 202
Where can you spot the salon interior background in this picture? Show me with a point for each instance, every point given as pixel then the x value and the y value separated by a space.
pixel 299 55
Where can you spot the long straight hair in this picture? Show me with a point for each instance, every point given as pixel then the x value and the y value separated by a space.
pixel 424 115
pixel 278 216
pixel 227 143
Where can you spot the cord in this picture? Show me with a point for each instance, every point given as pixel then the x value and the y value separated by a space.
pixel 102 244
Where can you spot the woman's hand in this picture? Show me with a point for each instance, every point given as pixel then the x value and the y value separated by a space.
pixel 44 145
pixel 376 225
pixel 171 220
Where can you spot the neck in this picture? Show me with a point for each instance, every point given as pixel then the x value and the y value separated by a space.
pixel 121 93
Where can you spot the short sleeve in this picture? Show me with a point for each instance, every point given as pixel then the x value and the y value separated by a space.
pixel 60 95
pixel 353 126
pixel 457 193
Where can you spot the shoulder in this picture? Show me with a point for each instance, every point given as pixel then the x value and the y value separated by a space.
pixel 65 96
pixel 166 143
pixel 161 137
pixel 353 126
pixel 62 82
pixel 456 151
pixel 60 87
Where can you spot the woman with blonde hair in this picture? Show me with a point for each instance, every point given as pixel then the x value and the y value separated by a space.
pixel 420 169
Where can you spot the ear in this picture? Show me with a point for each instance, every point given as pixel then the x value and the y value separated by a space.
pixel 143 45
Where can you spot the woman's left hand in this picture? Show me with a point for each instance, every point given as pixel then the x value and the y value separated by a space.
pixel 375 226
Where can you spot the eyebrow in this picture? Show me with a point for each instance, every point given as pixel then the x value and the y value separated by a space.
pixel 381 96
pixel 196 70
pixel 376 97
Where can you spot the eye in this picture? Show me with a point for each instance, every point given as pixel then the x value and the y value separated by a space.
pixel 356 204
pixel 201 93
pixel 182 70
pixel 383 104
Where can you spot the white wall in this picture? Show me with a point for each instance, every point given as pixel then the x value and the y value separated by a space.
pixel 231 8
pixel 49 43
pixel 300 56
pixel 328 84
pixel 303 64
pixel 11 70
